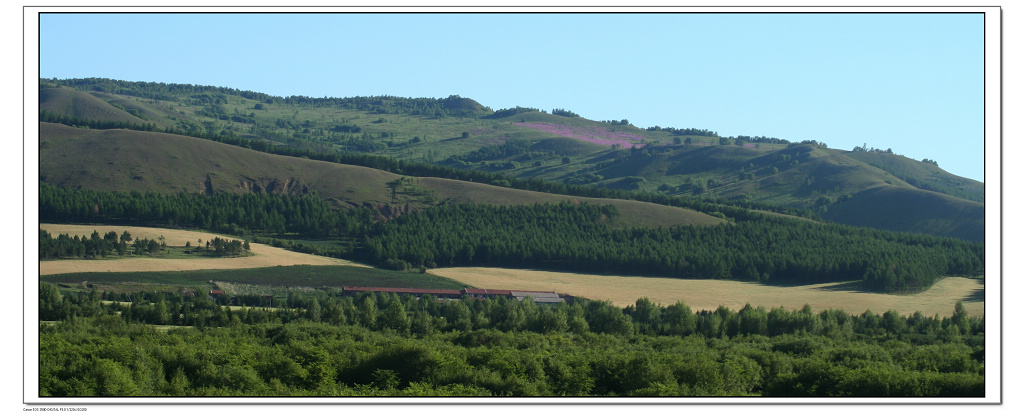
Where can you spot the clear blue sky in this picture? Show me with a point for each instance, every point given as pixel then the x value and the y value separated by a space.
pixel 909 82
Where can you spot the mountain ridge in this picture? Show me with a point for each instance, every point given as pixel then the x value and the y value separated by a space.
pixel 462 133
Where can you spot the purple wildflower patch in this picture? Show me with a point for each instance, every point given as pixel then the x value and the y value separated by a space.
pixel 599 135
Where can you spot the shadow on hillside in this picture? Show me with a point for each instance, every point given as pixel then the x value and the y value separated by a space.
pixel 978 295
pixel 851 286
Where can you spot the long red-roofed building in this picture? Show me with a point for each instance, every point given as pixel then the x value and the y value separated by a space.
pixel 487 292
pixel 441 293
pixel 537 296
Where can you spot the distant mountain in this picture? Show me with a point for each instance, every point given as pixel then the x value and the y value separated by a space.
pixel 874 189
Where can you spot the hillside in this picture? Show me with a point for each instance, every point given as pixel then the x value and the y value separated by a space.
pixel 406 222
pixel 909 209
pixel 126 160
pixel 82 105
pixel 528 143
pixel 924 175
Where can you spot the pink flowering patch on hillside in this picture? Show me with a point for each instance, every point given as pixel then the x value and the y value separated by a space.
pixel 599 135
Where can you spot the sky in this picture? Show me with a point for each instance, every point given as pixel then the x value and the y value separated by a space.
pixel 912 83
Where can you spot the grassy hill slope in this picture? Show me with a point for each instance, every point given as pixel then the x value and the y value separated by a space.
pixel 911 209
pixel 82 105
pixel 808 176
pixel 924 175
pixel 461 133
pixel 126 160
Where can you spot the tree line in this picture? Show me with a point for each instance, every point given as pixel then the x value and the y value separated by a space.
pixel 152 90
pixel 223 212
pixel 67 246
pixel 578 238
pixel 386 345
pixel 685 132
pixel 510 148
pixel 46 116
pixel 549 236
pixel 509 112
pixel 207 95
pixel 563 112
pixel 223 247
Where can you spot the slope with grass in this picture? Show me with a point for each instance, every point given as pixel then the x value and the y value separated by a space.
pixel 126 160
pixel 913 210
pixel 574 150
pixel 925 176
pixel 834 183
pixel 82 105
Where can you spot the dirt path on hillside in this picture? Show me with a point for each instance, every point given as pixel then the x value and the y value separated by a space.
pixel 709 294
pixel 264 255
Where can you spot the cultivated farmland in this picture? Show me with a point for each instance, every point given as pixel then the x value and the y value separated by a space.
pixel 620 290
pixel 264 255
pixel 709 294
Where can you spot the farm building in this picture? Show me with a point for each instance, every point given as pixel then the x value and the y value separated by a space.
pixel 440 293
pixel 537 296
pixel 487 293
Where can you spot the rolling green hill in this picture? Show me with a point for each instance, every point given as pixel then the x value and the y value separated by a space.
pixel 78 104
pixel 859 188
pixel 909 209
pixel 126 160
pixel 924 175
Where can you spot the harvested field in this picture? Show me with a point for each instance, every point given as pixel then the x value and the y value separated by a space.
pixel 264 255
pixel 709 294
